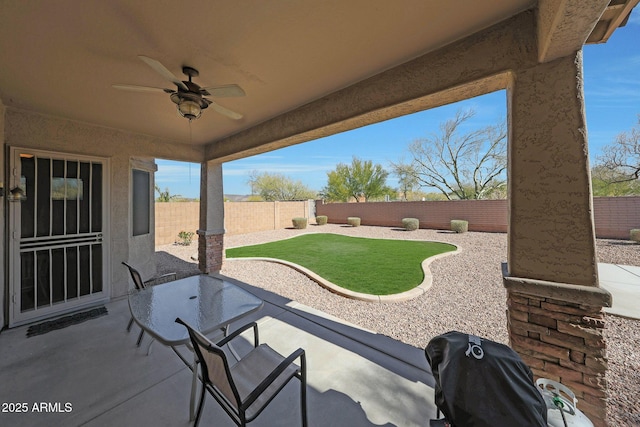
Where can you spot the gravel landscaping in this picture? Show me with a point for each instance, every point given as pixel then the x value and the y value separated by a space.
pixel 467 295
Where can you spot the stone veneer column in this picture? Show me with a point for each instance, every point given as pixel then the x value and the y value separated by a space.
pixel 560 336
pixel 210 252
pixel 211 232
pixel 555 317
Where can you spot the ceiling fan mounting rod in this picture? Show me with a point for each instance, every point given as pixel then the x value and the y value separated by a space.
pixel 190 71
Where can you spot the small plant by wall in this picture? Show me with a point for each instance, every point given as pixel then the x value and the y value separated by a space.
pixel 635 235
pixel 185 237
pixel 410 224
pixel 322 219
pixel 299 223
pixel 459 225
pixel 353 221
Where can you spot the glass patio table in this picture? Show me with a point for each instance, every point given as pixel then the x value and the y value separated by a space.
pixel 205 302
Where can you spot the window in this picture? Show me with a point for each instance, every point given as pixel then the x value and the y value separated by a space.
pixel 141 203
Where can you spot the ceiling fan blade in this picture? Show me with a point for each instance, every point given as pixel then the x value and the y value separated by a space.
pixel 163 71
pixel 134 88
pixel 224 111
pixel 226 91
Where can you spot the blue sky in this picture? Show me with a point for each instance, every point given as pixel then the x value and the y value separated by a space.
pixel 612 99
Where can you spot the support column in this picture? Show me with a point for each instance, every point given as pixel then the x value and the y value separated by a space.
pixel 555 317
pixel 211 232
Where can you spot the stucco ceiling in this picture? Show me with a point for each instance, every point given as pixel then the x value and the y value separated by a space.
pixel 61 57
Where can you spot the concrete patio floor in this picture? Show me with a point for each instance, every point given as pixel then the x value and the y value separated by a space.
pixel 93 374
pixel 623 282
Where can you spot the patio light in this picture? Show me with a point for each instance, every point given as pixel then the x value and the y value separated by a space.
pixel 16 195
pixel 189 109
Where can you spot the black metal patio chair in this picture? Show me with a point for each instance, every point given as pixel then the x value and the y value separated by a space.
pixel 244 389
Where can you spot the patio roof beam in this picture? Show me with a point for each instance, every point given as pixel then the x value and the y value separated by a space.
pixel 565 25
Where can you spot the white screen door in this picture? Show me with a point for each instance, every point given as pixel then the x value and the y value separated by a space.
pixel 59 252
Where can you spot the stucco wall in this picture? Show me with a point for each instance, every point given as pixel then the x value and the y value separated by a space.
pixel 551 232
pixel 3 273
pixel 30 130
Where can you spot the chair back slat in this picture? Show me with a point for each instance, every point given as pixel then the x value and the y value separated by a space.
pixel 135 276
pixel 216 366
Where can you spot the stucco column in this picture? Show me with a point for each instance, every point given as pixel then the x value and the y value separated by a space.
pixel 555 317
pixel 211 232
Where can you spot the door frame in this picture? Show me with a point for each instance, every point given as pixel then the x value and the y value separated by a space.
pixel 15 317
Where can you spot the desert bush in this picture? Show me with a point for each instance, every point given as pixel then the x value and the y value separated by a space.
pixel 459 225
pixel 353 221
pixel 410 224
pixel 185 237
pixel 299 223
pixel 322 219
pixel 635 234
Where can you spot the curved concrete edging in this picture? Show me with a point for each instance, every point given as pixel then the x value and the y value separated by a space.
pixel 403 296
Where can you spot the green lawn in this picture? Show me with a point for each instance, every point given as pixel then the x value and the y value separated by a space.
pixel 372 266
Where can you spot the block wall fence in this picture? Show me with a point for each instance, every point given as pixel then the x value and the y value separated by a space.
pixel 239 217
pixel 174 217
pixel 614 216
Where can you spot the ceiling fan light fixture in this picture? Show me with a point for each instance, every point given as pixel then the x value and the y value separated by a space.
pixel 189 96
pixel 189 109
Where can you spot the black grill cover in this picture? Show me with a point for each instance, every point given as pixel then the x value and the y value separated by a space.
pixel 483 383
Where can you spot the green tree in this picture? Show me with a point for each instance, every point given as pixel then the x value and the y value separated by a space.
pixel 274 186
pixel 166 196
pixel 336 189
pixel 407 178
pixel 605 182
pixel 460 166
pixel 361 179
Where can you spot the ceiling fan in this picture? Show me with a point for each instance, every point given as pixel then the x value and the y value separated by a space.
pixel 189 97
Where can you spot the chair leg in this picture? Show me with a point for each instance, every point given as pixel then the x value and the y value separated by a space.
pixel 129 325
pixel 303 403
pixel 200 405
pixel 149 347
pixel 194 385
pixel 303 390
pixel 140 338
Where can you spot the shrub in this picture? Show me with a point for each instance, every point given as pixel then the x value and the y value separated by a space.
pixel 635 234
pixel 353 221
pixel 322 219
pixel 459 225
pixel 185 237
pixel 410 224
pixel 299 223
